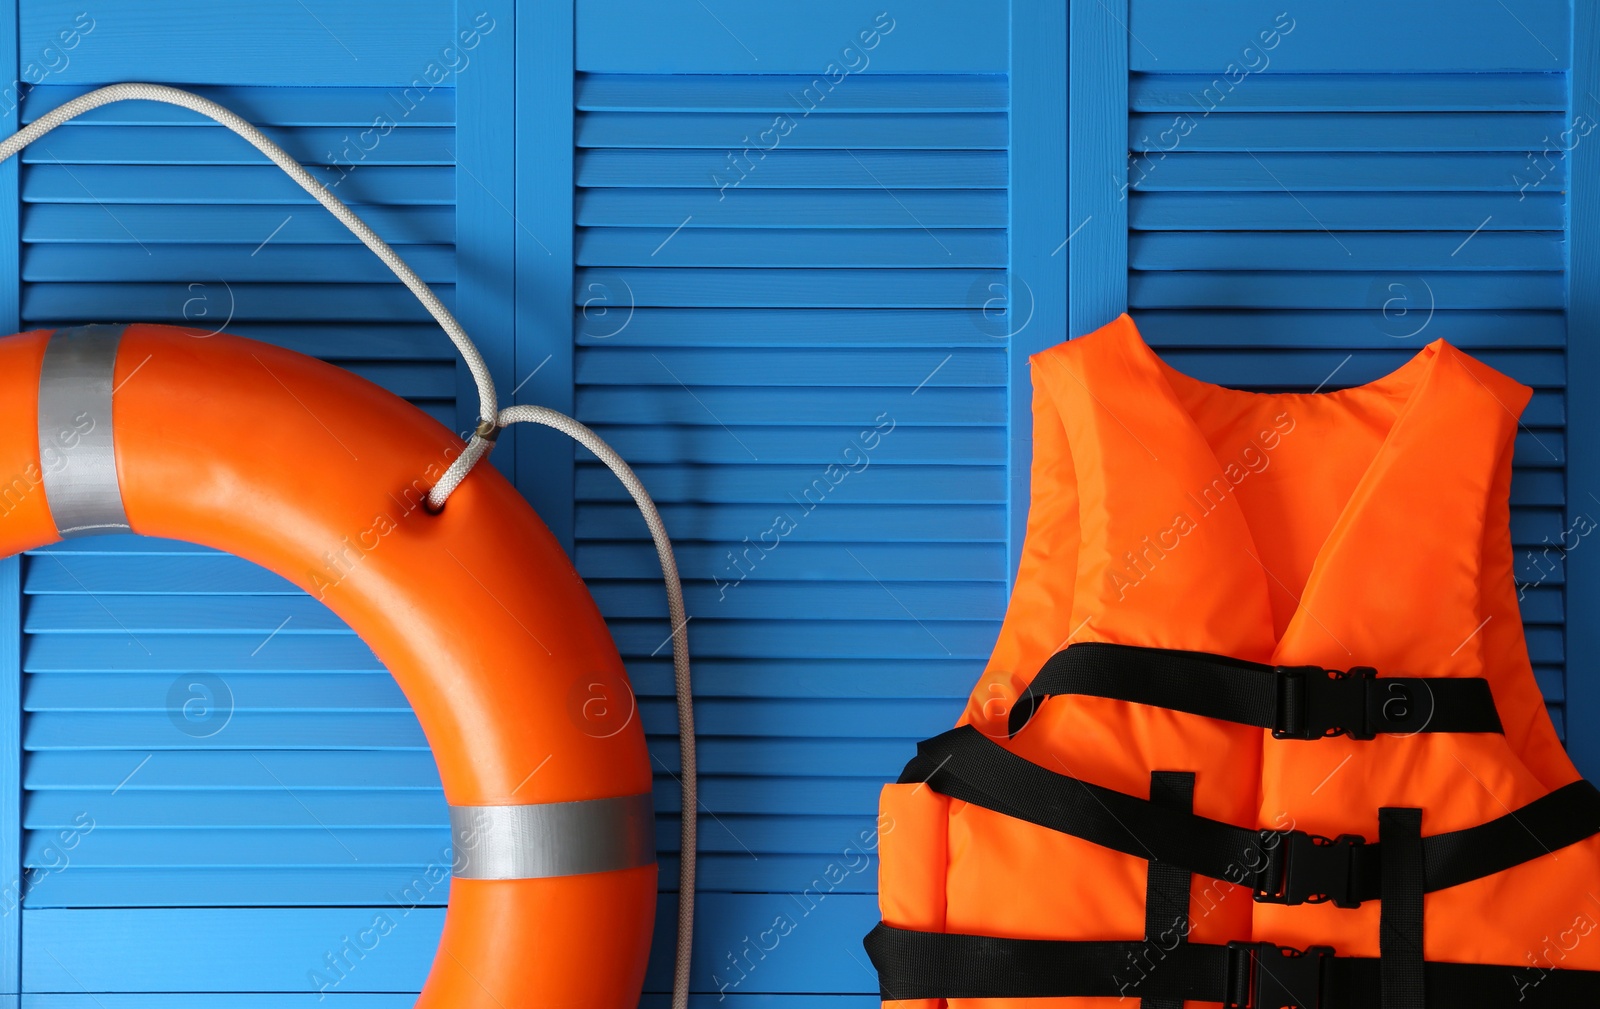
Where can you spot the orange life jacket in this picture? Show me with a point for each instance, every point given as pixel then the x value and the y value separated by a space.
pixel 1354 793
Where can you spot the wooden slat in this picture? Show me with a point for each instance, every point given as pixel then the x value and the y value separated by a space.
pixel 363 42
pixel 154 950
pixel 403 143
pixel 281 105
pixel 681 36
pixel 726 132
pixel 1471 35
pixel 234 185
pixel 764 482
pixel 842 247
pixel 1269 252
pixel 760 368
pixel 840 522
pixel 248 302
pixel 744 288
pixel 788 208
pixel 1281 211
pixel 1583 475
pixel 1207 167
pixel 933 404
pixel 1350 92
pixel 699 93
pixel 800 328
pixel 1423 292
pixel 1476 331
pixel 278 262
pixel 164 225
pixel 1424 132
pixel 780 169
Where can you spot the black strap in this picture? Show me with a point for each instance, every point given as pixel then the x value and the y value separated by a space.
pixel 1166 894
pixel 1282 867
pixel 1240 975
pixel 1400 970
pixel 1295 702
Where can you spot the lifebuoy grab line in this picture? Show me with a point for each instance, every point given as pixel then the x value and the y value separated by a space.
pixel 533 841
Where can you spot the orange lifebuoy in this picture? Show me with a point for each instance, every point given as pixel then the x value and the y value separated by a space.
pixel 321 477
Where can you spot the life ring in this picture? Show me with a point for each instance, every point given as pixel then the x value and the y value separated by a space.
pixel 321 477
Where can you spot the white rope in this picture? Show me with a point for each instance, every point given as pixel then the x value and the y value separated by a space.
pixel 491 417
pixel 682 685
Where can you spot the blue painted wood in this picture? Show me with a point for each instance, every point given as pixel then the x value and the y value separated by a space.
pixel 943 92
pixel 200 300
pixel 1344 91
pixel 735 133
pixel 1097 173
pixel 278 264
pixel 812 328
pixel 682 36
pixel 756 208
pixel 282 105
pixel 1281 211
pixel 233 185
pixel 1583 368
pixel 1208 168
pixel 485 195
pixel 110 950
pixel 1203 289
pixel 817 169
pixel 165 225
pixel 776 288
pixel 13 873
pixel 1255 35
pixel 739 376
pixel 678 405
pixel 1196 130
pixel 837 247
pixel 371 42
pixel 544 313
pixel 1268 252
pixel 407 143
pixel 1034 298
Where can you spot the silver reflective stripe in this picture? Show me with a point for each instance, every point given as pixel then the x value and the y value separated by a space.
pixel 77 455
pixel 553 838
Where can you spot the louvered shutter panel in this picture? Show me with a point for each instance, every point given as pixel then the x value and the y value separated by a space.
pixel 780 281
pixel 742 321
pixel 244 789
pixel 1306 207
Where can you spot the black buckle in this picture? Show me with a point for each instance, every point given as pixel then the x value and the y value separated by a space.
pixel 1316 703
pixel 1264 975
pixel 1302 868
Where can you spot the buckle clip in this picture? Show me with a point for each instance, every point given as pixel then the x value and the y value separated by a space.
pixel 1317 703
pixel 1264 975
pixel 1301 868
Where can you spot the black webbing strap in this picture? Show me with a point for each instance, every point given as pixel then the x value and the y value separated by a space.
pixel 1283 867
pixel 1295 702
pixel 1240 975
pixel 1401 966
pixel 1166 893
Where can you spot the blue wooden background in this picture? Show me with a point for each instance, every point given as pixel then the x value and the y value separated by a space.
pixel 791 266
